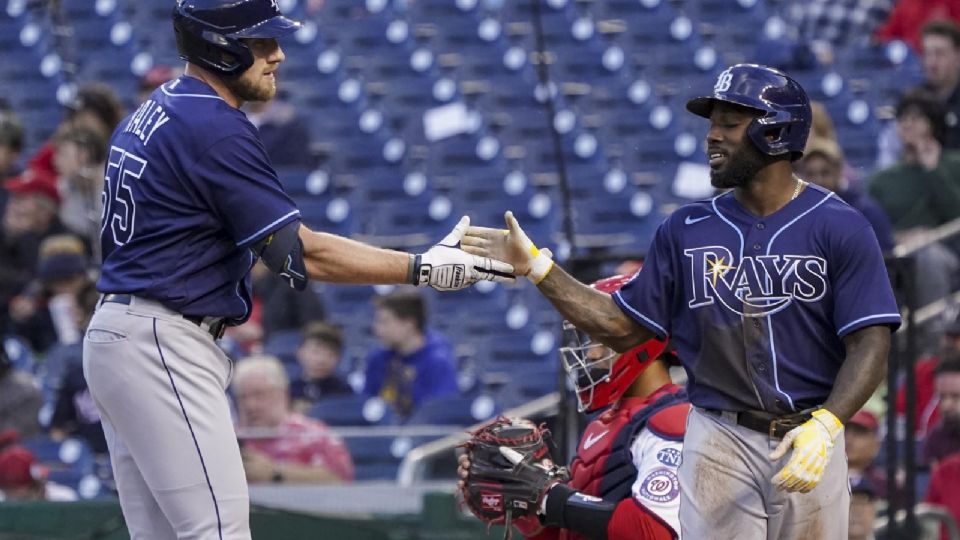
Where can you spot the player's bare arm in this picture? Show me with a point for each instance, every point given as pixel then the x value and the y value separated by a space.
pixel 865 366
pixel 590 310
pixel 444 266
pixel 336 259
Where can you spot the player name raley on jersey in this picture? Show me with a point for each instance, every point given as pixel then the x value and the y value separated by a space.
pixel 757 286
pixel 146 121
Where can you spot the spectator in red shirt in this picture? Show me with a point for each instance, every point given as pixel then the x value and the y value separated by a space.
pixel 944 487
pixel 944 438
pixel 862 442
pixel 927 412
pixel 909 17
pixel 278 445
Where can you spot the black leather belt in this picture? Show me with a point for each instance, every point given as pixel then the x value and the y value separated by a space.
pixel 215 328
pixel 774 426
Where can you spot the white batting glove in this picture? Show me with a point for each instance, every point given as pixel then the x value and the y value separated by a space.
pixel 812 443
pixel 448 268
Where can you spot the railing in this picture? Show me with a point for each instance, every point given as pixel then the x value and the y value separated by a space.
pixel 930 518
pixel 905 349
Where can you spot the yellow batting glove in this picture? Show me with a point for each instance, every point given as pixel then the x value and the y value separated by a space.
pixel 540 262
pixel 812 444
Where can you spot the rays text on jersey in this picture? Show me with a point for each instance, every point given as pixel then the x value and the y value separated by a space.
pixel 756 286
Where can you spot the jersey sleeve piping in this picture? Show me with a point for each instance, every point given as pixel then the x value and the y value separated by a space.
pixel 647 322
pixel 887 319
pixel 282 220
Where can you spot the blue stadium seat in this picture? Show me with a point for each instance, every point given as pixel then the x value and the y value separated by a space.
pixel 353 411
pixel 330 214
pixel 374 457
pixel 70 463
pixel 455 411
pixel 283 344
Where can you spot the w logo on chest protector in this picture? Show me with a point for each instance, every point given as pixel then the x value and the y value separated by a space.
pixel 755 286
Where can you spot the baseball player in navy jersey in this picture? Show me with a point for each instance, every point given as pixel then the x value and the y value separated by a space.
pixel 190 203
pixel 777 299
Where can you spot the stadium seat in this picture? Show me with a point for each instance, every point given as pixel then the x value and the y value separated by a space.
pixel 373 457
pixel 455 411
pixel 283 344
pixel 70 463
pixel 353 411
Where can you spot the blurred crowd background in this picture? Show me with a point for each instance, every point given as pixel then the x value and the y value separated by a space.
pixel 394 118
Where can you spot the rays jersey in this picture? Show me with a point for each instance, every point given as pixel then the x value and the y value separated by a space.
pixel 757 307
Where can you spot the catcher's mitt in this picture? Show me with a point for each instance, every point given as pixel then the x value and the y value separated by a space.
pixel 508 477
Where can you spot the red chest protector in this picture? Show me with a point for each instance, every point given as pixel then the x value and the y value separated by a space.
pixel 603 466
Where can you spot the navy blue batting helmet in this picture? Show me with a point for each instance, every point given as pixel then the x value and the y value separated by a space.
pixel 209 32
pixel 785 116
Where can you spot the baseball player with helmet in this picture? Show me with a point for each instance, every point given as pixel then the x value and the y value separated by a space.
pixel 775 295
pixel 190 203
pixel 623 482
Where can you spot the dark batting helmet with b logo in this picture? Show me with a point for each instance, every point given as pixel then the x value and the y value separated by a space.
pixel 210 32
pixel 785 116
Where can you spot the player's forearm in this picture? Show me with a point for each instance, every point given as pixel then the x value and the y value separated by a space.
pixel 865 366
pixel 592 311
pixel 336 259
pixel 292 473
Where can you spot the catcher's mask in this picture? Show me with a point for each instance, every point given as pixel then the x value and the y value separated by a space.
pixel 600 374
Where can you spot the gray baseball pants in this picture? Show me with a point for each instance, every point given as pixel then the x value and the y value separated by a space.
pixel 726 489
pixel 159 382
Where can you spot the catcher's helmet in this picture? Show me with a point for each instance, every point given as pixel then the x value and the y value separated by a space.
pixel 209 32
pixel 601 375
pixel 784 107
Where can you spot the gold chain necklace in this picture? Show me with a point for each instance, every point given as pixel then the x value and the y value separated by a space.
pixel 800 184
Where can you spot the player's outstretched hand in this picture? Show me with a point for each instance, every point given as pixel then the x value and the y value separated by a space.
pixel 511 245
pixel 812 444
pixel 448 268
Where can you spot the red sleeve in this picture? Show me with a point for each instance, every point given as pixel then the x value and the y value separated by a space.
pixel 631 521
pixel 933 490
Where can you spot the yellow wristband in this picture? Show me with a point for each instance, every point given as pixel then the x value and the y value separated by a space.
pixel 829 421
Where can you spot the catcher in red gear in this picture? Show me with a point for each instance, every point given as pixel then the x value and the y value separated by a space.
pixel 623 482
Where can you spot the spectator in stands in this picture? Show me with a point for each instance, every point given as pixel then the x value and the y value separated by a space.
pixel 319 354
pixel 23 479
pixel 75 414
pixel 863 509
pixel 282 308
pixel 20 399
pixel 944 488
pixel 284 132
pixel 909 19
pixel 927 410
pixel 829 24
pixel 862 438
pixel 941 68
pixel 153 78
pixel 96 106
pixel 29 214
pixel 279 445
pixel 923 190
pixel 45 313
pixel 413 364
pixel 11 144
pixel 944 438
pixel 80 156
pixel 823 164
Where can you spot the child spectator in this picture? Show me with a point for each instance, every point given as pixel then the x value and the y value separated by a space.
pixel 319 354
